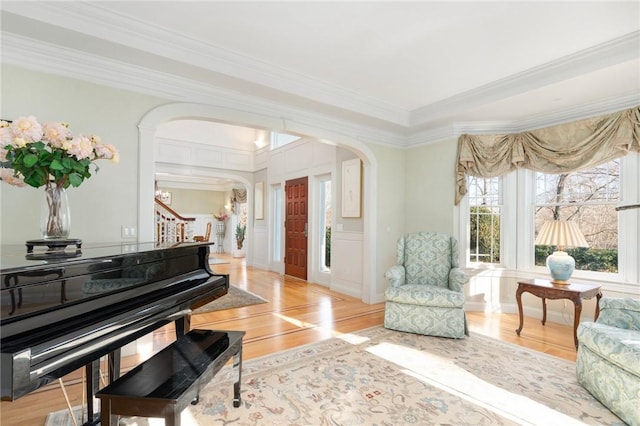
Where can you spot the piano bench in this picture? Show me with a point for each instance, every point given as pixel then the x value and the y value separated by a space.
pixel 165 384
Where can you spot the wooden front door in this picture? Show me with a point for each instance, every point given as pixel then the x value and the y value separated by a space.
pixel 295 260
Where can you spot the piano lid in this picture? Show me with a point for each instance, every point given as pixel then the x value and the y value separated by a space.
pixel 15 256
pixel 29 286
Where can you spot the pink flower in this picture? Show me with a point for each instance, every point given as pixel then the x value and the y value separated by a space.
pixel 220 216
pixel 6 137
pixel 56 133
pixel 27 128
pixel 107 151
pixel 7 175
pixel 80 146
pixel 25 144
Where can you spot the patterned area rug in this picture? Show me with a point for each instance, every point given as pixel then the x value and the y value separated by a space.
pixel 381 377
pixel 235 298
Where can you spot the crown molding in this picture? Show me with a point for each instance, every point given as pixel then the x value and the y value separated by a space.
pixel 602 107
pixel 46 57
pixel 616 51
pixel 194 186
pixel 552 118
pixel 194 177
pixel 33 54
pixel 96 21
pixel 431 136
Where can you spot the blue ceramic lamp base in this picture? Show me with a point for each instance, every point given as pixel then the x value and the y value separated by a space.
pixel 561 266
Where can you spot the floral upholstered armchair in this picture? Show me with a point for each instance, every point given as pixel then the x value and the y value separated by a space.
pixel 425 293
pixel 608 361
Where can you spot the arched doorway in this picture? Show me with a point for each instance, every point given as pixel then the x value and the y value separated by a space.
pixel 149 123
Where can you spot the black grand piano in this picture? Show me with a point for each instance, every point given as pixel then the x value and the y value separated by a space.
pixel 64 312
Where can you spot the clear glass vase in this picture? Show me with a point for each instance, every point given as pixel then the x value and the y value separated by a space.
pixel 55 218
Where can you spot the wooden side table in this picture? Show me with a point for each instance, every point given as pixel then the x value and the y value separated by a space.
pixel 547 290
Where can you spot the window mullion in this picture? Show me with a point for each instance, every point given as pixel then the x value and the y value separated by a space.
pixel 629 220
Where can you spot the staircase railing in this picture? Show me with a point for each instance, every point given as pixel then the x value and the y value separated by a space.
pixel 170 225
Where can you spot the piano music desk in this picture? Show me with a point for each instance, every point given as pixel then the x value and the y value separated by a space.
pixel 164 385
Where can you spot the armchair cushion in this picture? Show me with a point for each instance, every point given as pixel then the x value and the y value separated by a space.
pixel 608 361
pixel 425 295
pixel 619 346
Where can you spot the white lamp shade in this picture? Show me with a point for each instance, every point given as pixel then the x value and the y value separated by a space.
pixel 561 233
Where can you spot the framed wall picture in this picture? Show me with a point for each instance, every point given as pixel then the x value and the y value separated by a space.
pixel 259 201
pixel 351 187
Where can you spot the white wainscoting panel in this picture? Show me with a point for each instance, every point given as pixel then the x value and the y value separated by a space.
pixel 324 155
pixel 346 262
pixel 207 156
pixel 275 170
pixel 181 152
pixel 299 158
pixel 239 160
pixel 261 159
pixel 172 152
pixel 260 247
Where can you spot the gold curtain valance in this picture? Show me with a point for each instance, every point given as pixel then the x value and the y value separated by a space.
pixel 238 196
pixel 563 148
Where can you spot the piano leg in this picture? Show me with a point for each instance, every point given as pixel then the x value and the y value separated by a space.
pixel 183 325
pixel 114 365
pixel 93 381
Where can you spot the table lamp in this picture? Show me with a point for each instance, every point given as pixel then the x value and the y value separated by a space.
pixel 562 234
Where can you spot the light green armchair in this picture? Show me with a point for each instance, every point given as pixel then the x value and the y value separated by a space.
pixel 608 360
pixel 425 292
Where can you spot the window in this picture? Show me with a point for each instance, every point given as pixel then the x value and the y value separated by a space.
pixel 588 198
pixel 499 219
pixel 484 219
pixel 281 139
pixel 325 224
pixel 278 221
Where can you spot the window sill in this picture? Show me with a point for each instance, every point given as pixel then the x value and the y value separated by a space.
pixel 614 285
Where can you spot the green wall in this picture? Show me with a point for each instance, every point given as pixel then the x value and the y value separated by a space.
pixel 430 183
pixel 194 201
pixel 108 200
pixel 390 211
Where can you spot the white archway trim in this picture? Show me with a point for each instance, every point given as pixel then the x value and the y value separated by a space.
pixel 175 111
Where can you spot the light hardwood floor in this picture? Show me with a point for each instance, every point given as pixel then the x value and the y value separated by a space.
pixel 298 313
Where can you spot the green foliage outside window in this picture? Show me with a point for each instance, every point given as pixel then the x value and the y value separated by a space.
pixel 327 247
pixel 587 259
pixel 484 235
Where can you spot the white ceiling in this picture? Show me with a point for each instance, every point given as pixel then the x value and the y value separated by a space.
pixel 408 68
